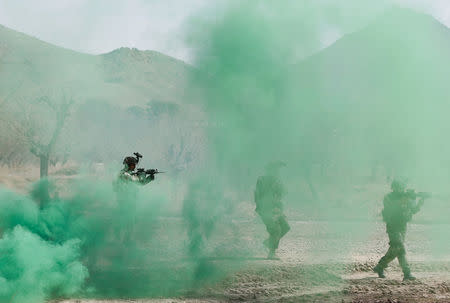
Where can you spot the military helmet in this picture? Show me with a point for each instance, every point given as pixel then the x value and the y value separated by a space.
pixel 130 161
pixel 398 183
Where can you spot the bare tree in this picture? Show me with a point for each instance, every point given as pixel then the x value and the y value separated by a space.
pixel 41 150
pixel 185 142
pixel 12 148
pixel 38 124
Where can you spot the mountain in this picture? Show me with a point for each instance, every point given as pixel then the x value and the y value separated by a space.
pixel 379 94
pixel 401 55
pixel 124 76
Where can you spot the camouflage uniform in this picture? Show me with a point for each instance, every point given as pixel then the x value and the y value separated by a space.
pixel 126 176
pixel 126 190
pixel 268 194
pixel 399 207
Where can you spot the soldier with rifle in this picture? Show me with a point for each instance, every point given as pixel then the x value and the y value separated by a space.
pixel 141 176
pixel 125 187
pixel 399 207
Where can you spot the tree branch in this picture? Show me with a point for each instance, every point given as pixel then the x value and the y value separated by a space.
pixel 62 113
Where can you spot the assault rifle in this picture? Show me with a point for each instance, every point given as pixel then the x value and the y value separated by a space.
pixel 142 172
pixel 151 172
pixel 422 195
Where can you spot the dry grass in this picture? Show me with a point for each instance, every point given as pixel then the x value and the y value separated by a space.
pixel 19 179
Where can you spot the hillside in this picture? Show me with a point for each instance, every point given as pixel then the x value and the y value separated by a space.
pixel 381 90
pixel 124 76
pixel 125 87
pixel 400 47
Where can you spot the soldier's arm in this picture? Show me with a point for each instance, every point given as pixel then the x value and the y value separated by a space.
pixel 416 206
pixel 146 179
pixel 126 176
pixel 385 210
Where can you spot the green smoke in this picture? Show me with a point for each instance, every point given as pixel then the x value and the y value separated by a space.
pixel 258 111
pixel 72 246
pixel 368 107
pixel 32 270
pixel 344 119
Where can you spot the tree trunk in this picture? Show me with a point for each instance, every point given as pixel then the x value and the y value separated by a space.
pixel 44 165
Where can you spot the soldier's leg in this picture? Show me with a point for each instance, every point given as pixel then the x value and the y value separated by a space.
pixel 274 230
pixel 390 255
pixel 280 228
pixel 284 225
pixel 403 262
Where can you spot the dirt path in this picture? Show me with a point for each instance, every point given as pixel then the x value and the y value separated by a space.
pixel 320 261
pixel 278 281
pixel 429 287
pixel 338 283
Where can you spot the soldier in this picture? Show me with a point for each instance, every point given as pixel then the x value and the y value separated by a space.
pixel 399 207
pixel 127 174
pixel 125 187
pixel 268 194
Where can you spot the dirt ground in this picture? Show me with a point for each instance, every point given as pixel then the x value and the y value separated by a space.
pixel 287 283
pixel 314 270
pixel 319 261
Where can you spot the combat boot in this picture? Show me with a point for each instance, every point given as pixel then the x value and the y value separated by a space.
pixel 379 271
pixel 272 255
pixel 408 277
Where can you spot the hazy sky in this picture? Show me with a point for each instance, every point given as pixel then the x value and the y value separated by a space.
pixel 99 26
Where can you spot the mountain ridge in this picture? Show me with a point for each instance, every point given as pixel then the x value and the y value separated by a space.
pixel 139 76
pixel 124 76
pixel 22 35
pixel 374 51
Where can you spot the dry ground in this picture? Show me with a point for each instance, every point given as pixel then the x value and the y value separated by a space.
pixel 320 261
pixel 285 283
pixel 316 270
